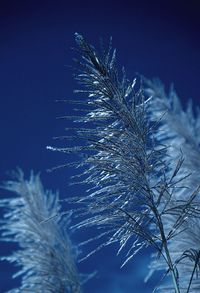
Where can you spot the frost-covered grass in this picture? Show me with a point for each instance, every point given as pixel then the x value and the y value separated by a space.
pixel 140 158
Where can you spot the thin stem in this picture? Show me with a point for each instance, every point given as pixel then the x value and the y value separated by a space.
pixel 168 257
pixel 192 275
pixel 171 268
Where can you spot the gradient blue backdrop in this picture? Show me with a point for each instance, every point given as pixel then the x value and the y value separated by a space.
pixel 155 38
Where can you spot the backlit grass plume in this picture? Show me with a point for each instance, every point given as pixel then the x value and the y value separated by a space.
pixel 46 257
pixel 134 180
pixel 179 129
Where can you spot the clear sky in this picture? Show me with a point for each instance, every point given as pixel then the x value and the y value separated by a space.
pixel 155 38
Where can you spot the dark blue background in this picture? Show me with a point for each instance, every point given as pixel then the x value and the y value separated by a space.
pixel 155 38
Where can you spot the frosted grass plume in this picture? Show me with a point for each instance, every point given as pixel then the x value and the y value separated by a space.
pixel 133 182
pixel 179 129
pixel 46 257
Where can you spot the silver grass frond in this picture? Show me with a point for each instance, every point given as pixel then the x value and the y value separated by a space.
pixel 180 130
pixel 45 256
pixel 132 184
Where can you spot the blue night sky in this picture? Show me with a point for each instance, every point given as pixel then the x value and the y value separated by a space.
pixel 154 38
